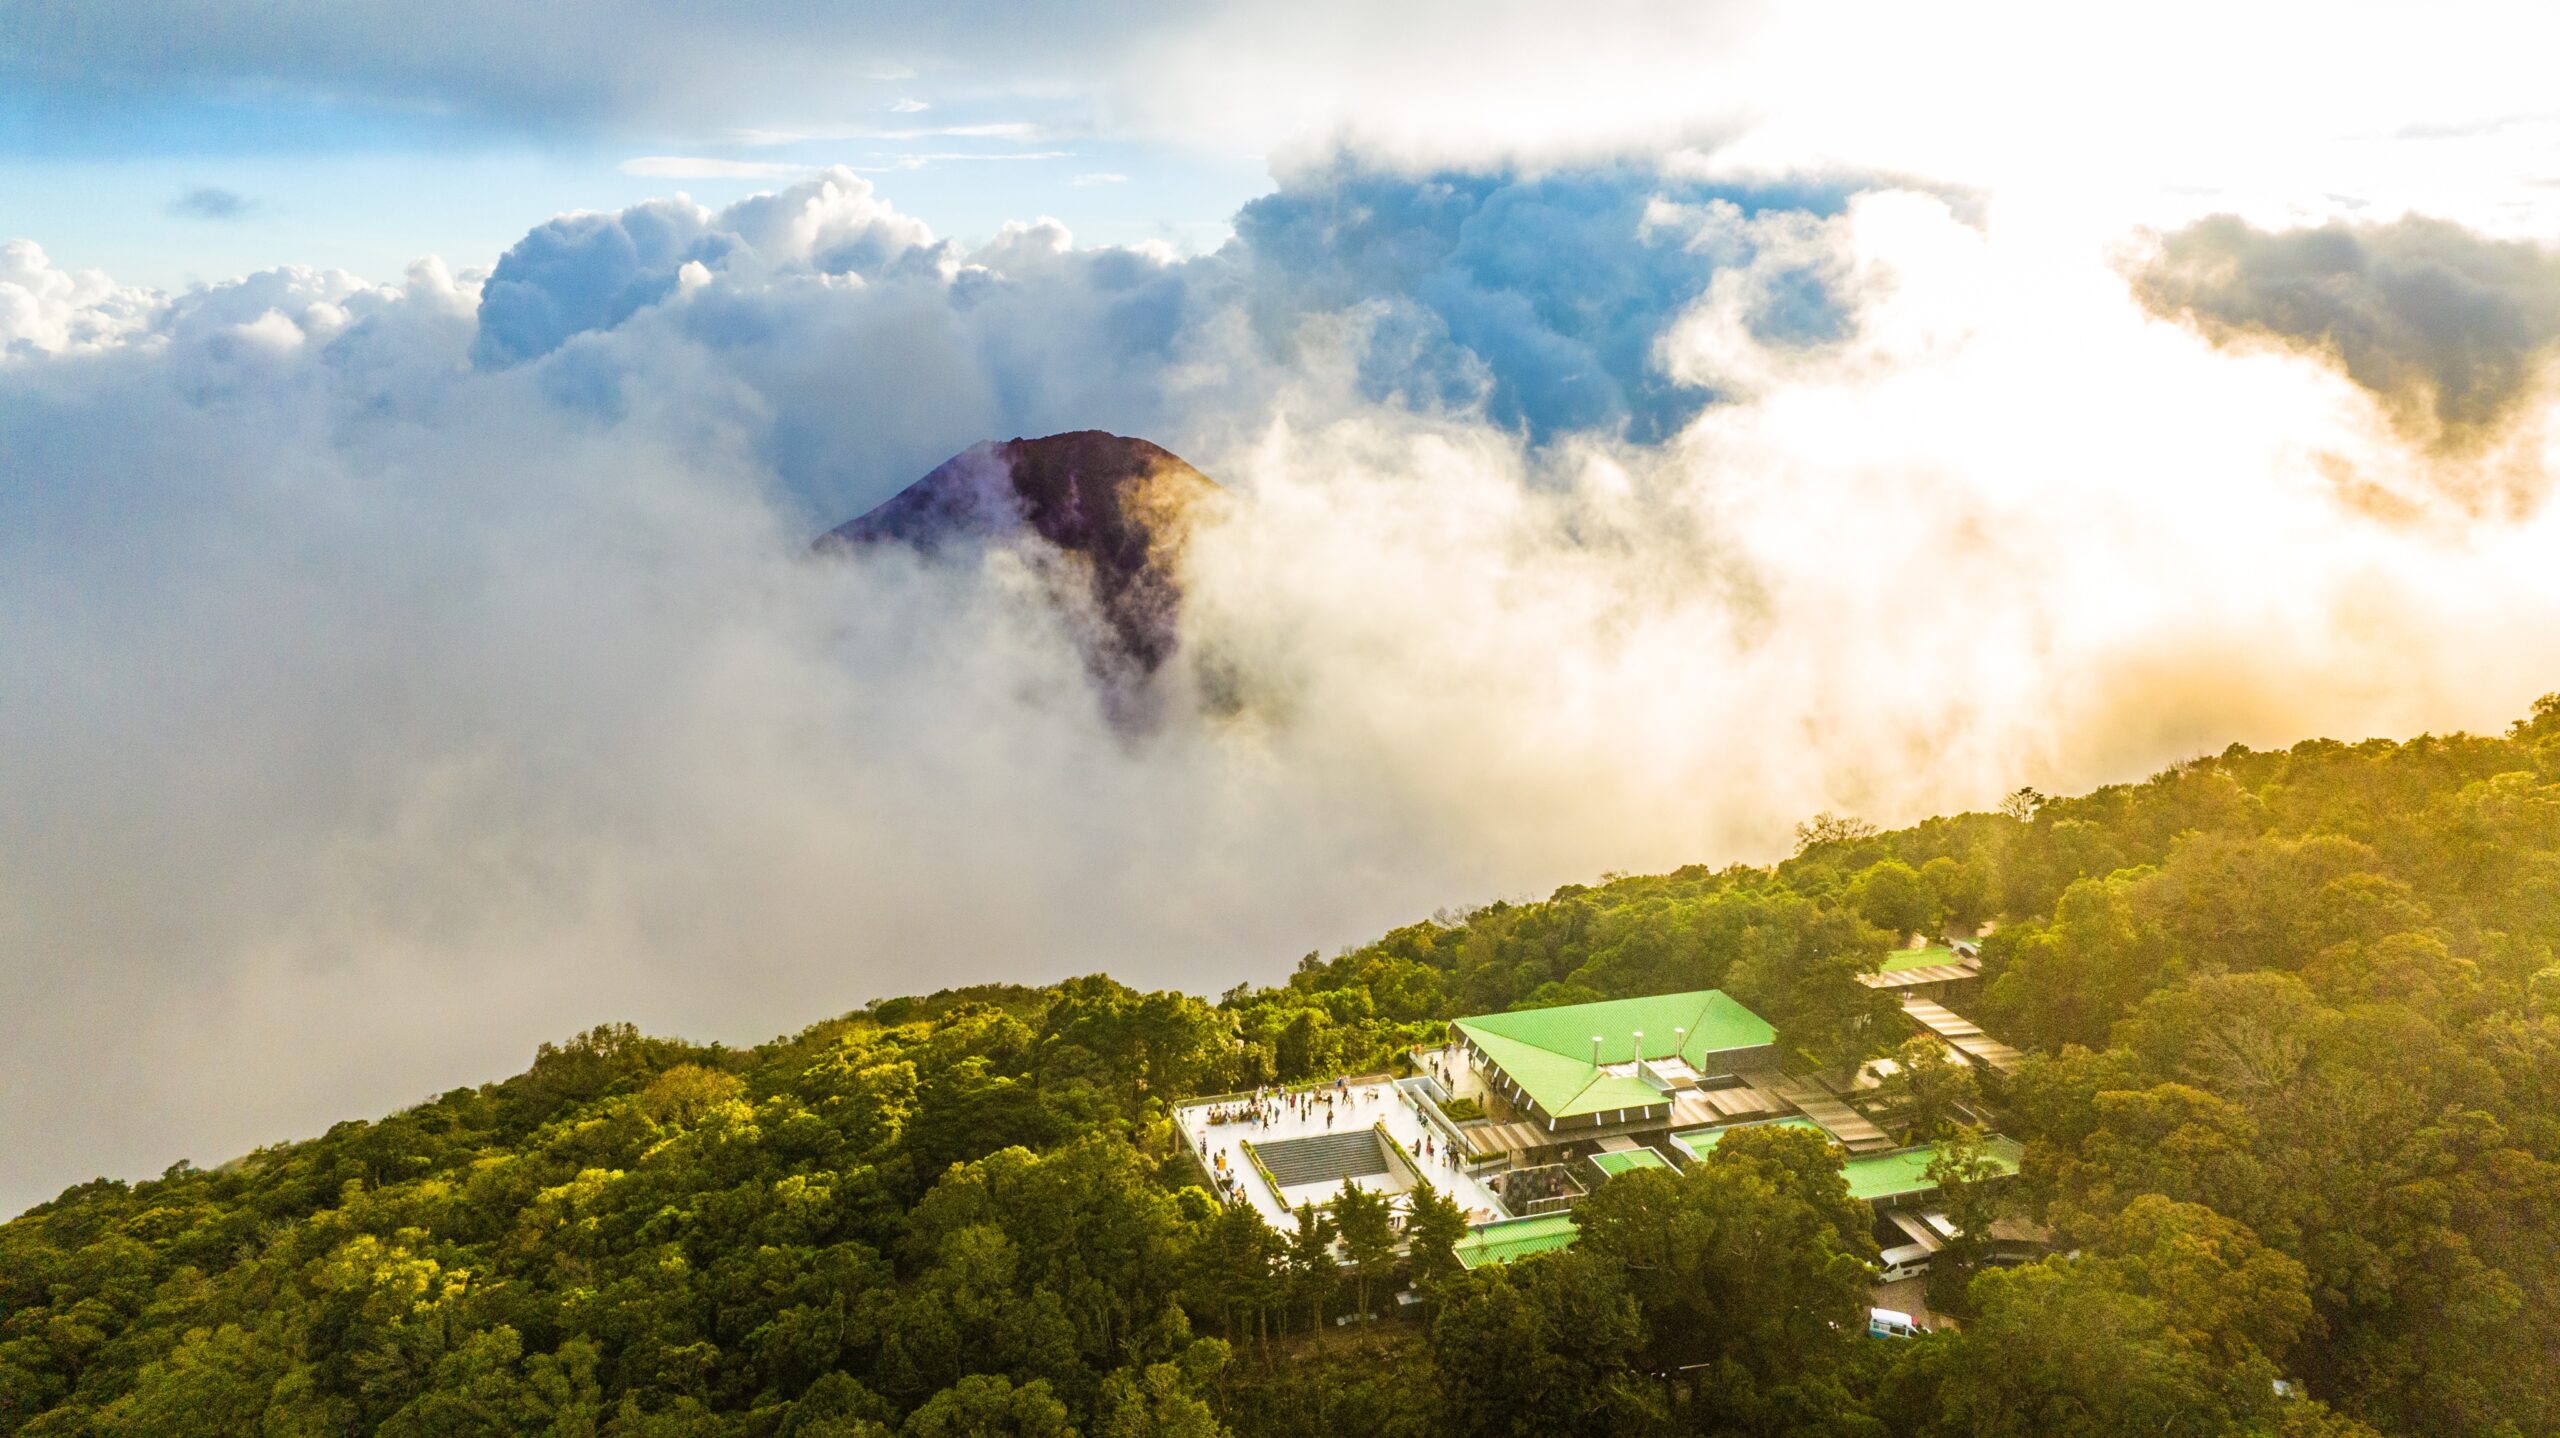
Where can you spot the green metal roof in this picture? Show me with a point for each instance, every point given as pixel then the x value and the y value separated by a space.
pixel 1516 1238
pixel 1548 1052
pixel 1906 1170
pixel 1629 1160
pixel 1699 1142
pixel 1927 958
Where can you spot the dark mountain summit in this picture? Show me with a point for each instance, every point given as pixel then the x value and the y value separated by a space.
pixel 1112 512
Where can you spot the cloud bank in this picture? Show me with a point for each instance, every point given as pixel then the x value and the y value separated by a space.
pixel 404 673
pixel 2450 331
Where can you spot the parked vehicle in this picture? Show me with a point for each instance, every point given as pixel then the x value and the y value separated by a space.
pixel 1908 1260
pixel 1887 1323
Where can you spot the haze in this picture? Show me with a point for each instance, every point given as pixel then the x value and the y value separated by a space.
pixel 1647 433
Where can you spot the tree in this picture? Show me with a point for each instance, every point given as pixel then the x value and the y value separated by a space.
pixel 2059 1352
pixel 1750 1270
pixel 1891 895
pixel 1827 828
pixel 1961 889
pixel 1823 1015
pixel 2021 804
pixel 1314 1276
pixel 1965 1180
pixel 2067 982
pixel 1541 1347
pixel 1237 1269
pixel 1367 1228
pixel 1162 1400
pixel 216 1381
pixel 2166 1326
pixel 988 1406
pixel 1927 1090
pixel 1434 1225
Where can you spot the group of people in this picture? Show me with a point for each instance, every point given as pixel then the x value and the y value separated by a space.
pixel 1268 1105
pixel 1436 1151
pixel 1229 1187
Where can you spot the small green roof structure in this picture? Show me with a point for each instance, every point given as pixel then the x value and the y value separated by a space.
pixel 1872 1178
pixel 1928 958
pixel 1904 1173
pixel 1699 1142
pixel 1551 1058
pixel 1516 1238
pixel 1628 1161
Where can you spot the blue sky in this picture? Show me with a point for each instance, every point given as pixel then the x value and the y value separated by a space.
pixel 346 187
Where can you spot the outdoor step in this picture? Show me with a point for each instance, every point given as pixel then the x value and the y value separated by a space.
pixel 1354 1153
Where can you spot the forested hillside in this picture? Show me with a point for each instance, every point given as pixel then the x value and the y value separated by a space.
pixel 2292 1111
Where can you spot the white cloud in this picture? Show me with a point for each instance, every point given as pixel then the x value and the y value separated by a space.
pixel 47 310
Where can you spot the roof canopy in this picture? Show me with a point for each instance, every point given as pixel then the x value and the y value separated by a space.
pixel 1628 1161
pixel 1699 1142
pixel 1549 1053
pixel 1906 1171
pixel 1516 1238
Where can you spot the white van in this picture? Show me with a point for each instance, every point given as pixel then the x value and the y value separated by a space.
pixel 1907 1260
pixel 1886 1323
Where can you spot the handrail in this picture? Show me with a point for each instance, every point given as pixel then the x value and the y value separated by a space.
pixel 1432 1115
pixel 1253 1156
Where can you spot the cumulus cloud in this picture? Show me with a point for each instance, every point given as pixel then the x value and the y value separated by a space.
pixel 1534 302
pixel 2450 331
pixel 45 309
pixel 404 673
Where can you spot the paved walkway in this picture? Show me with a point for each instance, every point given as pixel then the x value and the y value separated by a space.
pixel 1964 1033
pixel 1855 1131
pixel 1367 1102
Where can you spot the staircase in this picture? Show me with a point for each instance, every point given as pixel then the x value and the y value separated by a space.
pixel 1323 1158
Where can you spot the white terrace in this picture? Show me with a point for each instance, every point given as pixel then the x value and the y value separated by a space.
pixel 1278 1131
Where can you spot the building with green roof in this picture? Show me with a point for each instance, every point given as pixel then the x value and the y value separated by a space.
pixel 1516 1238
pixel 1585 1067
pixel 1697 1143
pixel 1627 1161
pixel 1885 1179
pixel 1934 956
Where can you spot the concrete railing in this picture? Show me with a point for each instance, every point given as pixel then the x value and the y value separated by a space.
pixel 1426 1098
pixel 1262 1170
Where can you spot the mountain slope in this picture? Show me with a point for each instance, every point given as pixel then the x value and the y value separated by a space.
pixel 1108 513
pixel 2292 1109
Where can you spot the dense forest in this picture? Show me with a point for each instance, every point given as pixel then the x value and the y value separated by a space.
pixel 2291 1115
